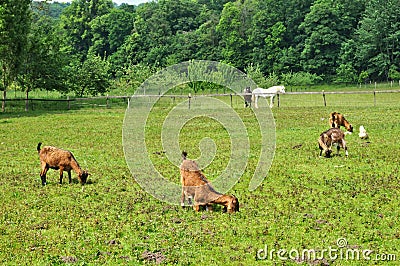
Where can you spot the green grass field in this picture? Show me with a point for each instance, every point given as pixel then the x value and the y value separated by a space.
pixel 304 203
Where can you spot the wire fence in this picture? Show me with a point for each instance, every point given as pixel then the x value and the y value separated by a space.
pixel 289 99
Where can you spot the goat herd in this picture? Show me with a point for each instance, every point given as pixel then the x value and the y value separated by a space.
pixel 195 185
pixel 334 136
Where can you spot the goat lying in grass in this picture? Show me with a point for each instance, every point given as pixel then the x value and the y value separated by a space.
pixel 337 119
pixel 196 186
pixel 330 137
pixel 58 159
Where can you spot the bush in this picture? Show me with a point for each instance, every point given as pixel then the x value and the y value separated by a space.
pixel 300 79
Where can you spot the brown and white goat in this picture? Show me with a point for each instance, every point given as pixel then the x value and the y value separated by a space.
pixel 196 186
pixel 58 159
pixel 337 119
pixel 330 137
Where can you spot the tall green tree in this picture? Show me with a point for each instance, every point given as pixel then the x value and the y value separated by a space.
pixel 110 31
pixel 266 35
pixel 346 72
pixel 76 22
pixel 328 24
pixel 163 33
pixel 232 28
pixel 377 41
pixel 44 60
pixel 15 18
pixel 91 77
pixel 292 14
pixel 206 36
pixel 149 40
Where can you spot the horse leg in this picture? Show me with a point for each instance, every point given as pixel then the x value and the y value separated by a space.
pixel 272 101
pixel 255 101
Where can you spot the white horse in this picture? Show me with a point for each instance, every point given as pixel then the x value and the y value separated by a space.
pixel 270 92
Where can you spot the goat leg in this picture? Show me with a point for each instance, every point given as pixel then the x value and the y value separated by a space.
pixel 43 174
pixel 183 198
pixel 43 178
pixel 345 147
pixel 69 177
pixel 61 175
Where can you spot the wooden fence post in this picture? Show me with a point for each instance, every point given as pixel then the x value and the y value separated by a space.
pixel 374 98
pixel 107 104
pixel 27 101
pixel 190 97
pixel 69 103
pixel 323 95
pixel 279 100
pixel 231 99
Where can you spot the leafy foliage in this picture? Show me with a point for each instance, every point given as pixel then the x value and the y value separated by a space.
pixel 15 18
pixel 336 41
pixel 76 22
pixel 300 79
pixel 378 36
pixel 90 77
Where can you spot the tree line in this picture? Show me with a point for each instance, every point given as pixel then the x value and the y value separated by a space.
pixel 92 46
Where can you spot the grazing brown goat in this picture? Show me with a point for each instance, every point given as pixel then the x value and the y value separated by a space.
pixel 58 159
pixel 337 119
pixel 330 137
pixel 196 186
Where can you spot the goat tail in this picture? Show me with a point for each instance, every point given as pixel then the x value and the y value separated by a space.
pixel 38 146
pixel 184 155
pixel 253 97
